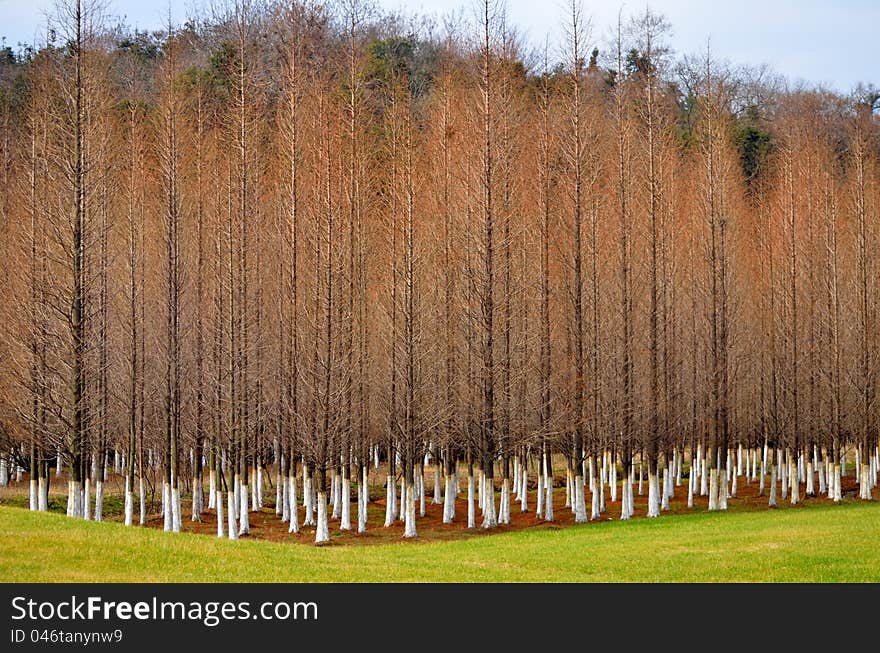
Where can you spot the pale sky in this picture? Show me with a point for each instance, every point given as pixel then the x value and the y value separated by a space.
pixel 834 43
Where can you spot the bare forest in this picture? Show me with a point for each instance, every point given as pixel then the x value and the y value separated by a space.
pixel 286 253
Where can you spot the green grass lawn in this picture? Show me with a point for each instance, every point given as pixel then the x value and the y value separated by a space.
pixel 821 543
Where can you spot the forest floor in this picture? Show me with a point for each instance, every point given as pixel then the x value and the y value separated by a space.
pixel 815 541
pixel 265 524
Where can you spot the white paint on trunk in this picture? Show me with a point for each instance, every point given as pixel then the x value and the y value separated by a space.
pixel 472 520
pixel 568 490
pixel 539 512
pixel 664 501
pixel 292 513
pixel 437 498
pixel 232 528
pixel 76 492
pixel 653 495
pixel 322 532
pixel 212 490
pixel 99 501
pixel 420 479
pixel 504 508
pixel 704 477
pixel 449 500
pixel 390 500
pixel 864 483
pixel 87 499
pixel 692 480
pixel 409 521
pixel 794 478
pixel 772 501
pixel 580 506
pixel 176 519
pixel 142 499
pixel 733 482
pixel 713 488
pixel 244 525
pixel 548 499
pixel 197 501
pixel 612 481
pixel 363 498
pixel 810 490
pixel 490 518
pixel 43 494
pixel 308 499
pixel 345 502
pixel 624 503
pixel 218 502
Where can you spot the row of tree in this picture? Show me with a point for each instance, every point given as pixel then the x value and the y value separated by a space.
pixel 316 239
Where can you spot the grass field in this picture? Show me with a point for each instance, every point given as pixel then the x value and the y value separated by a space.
pixel 820 543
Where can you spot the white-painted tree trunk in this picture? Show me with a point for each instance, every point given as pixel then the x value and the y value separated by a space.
pixel 32 495
pixel 864 482
pixel 569 486
pixel 692 481
pixel 401 511
pixel 624 503
pixel 363 498
pixel 704 477
pixel 87 499
pixel 76 498
pixel 794 478
pixel 99 500
pixel 218 503
pixel 472 517
pixel 409 521
pixel 524 488
pixel 197 501
pixel 308 499
pixel 322 532
pixel 284 491
pixel 345 500
pixel 258 489
pixel 772 501
pixel 490 517
pixel 449 499
pixel 212 490
pixel 810 489
pixel 43 494
pixel 504 507
pixel 244 524
pixel 761 481
pixel 713 489
pixel 142 499
pixel 548 499
pixel 437 498
pixel 420 480
pixel 733 481
pixel 176 518
pixel 390 499
pixel 333 494
pixel 293 513
pixel 580 506
pixel 280 495
pixel 641 478
pixel 653 495
pixel 539 511
pixel 664 501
